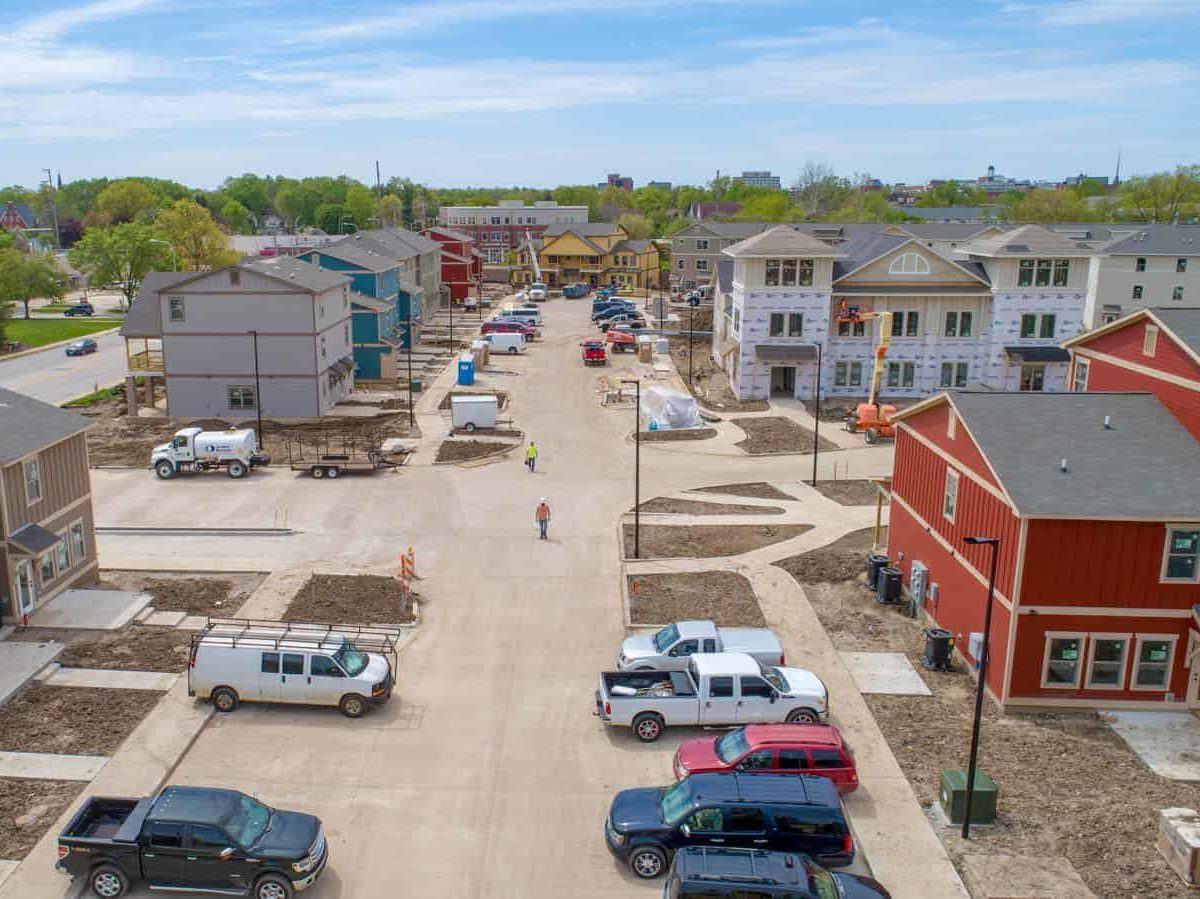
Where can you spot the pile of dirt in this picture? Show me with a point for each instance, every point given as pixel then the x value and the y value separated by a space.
pixel 350 599
pixel 466 450
pixel 136 648
pixel 836 409
pixel 855 622
pixel 665 541
pixel 725 597
pixel 710 385
pixel 849 493
pixel 27 810
pixel 172 592
pixel 756 489
pixel 774 434
pixel 844 559
pixel 501 401
pixel 695 507
pixel 677 434
pixel 72 720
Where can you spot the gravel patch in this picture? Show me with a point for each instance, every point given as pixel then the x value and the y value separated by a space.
pixel 725 597
pixel 665 541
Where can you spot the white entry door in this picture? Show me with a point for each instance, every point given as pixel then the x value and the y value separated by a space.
pixel 26 591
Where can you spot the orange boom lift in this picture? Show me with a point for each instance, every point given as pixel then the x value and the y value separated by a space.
pixel 872 419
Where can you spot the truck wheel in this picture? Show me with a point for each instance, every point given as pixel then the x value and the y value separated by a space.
pixel 803 716
pixel 165 470
pixel 224 699
pixel 108 881
pixel 648 726
pixel 648 862
pixel 272 886
pixel 318 471
pixel 871 436
pixel 236 469
pixel 469 427
pixel 512 351
pixel 333 471
pixel 352 705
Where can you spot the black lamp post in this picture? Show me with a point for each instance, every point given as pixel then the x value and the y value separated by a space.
pixel 637 470
pixel 410 352
pixel 691 320
pixel 257 390
pixel 994 543
pixel 817 417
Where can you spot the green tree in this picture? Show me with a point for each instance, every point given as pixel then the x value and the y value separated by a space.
pixel 638 227
pixel 77 198
pixel 951 193
pixel 771 206
pixel 201 245
pixel 866 206
pixel 249 190
pixel 236 216
pixel 360 205
pixel 329 218
pixel 1162 197
pixel 579 195
pixel 121 255
pixel 126 201
pixel 391 211
pixel 1050 207
pixel 819 189
pixel 28 276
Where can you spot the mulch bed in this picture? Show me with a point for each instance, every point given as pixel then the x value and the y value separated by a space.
pixel 756 489
pixel 773 434
pixel 501 402
pixel 725 597
pixel 677 434
pixel 696 507
pixel 27 810
pixel 467 450
pixel 138 647
pixel 195 595
pixel 710 385
pixel 665 541
pixel 72 720
pixel 349 599
pixel 844 559
pixel 849 493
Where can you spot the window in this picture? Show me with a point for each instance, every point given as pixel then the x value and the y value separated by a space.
pixel 795 324
pixel 33 481
pixel 209 839
pixel 701 265
pixel 772 277
pixel 293 663
pixel 1025 273
pixel 495 221
pixel 175 309
pixel 1062 272
pixel 46 566
pixel 1138 291
pixel 856 374
pixel 684 648
pixel 775 328
pixel 679 264
pixel 954 374
pixel 270 663
pixel 906 324
pixel 701 244
pixel 1181 560
pixel 1079 376
pixel 827 758
pixel 839 374
pixel 788 822
pixel 793 760
pixel 1140 264
pixel 62 557
pixel 958 324
pixel 1033 378
pixel 909 264
pixel 323 666
pixel 164 835
pixel 762 760
pixel 78 543
pixel 1047 329
pixel 1181 265
pixel 1177 293
pixel 241 397
pixel 235 277
pixel 852 329
pixel 789 273
pixel 346 333
pixel 1150 340
pixel 950 496
pixel 1107 664
pixel 756 686
pixel 1152 663
pixel 901 374
pixel 1028 325
pixel 495 234
pixel 743 819
pixel 806 272
pixel 1042 273
pixel 706 820
pixel 1063 662
pixel 721 687
pixel 737 321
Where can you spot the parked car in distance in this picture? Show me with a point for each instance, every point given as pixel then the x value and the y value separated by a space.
pixel 621 340
pixel 717 689
pixel 646 826
pixel 80 309
pixel 511 342
pixel 632 319
pixel 670 648
pixel 816 749
pixel 507 326
pixel 706 872
pixel 193 839
pixel 537 292
pixel 602 308
pixel 238 660
pixel 531 314
pixel 594 352
pixel 82 347
pixel 530 330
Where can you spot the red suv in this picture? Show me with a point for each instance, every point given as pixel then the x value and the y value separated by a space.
pixel 508 327
pixel 774 749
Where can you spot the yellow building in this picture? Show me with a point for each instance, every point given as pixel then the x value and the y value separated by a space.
pixel 595 253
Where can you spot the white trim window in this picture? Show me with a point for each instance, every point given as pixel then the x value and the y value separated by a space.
pixel 1107 660
pixel 906 323
pixel 33 481
pixel 847 374
pixel 950 495
pixel 795 324
pixel 1035 326
pixel 701 244
pixel 901 374
pixel 1152 660
pixel 1079 376
pixel 852 329
pixel 775 324
pixel 737 321
pixel 1150 340
pixel 78 542
pixel 1062 662
pixel 241 396
pixel 46 566
pixel 701 265
pixel 1177 292
pixel 909 264
pixel 954 374
pixel 1181 556
pixel 62 556
pixel 958 323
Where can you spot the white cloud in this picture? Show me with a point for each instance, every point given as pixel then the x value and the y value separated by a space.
pixel 55 24
pixel 1105 12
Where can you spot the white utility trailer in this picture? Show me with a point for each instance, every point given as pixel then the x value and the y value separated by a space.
pixel 474 411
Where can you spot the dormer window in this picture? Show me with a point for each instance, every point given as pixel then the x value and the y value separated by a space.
pixel 789 273
pixel 1040 272
pixel 909 264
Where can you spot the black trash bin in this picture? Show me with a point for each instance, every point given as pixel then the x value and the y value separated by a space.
pixel 939 646
pixel 889 588
pixel 875 561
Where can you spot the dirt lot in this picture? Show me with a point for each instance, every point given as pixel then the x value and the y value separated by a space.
pixel 665 541
pixel 777 435
pixel 756 489
pixel 28 808
pixel 72 720
pixel 501 402
pixel 696 507
pixel 843 559
pixel 349 599
pixel 725 597
pixel 674 436
pixel 837 409
pixel 136 648
pixel 849 493
pixel 710 385
pixel 183 593
pixel 466 450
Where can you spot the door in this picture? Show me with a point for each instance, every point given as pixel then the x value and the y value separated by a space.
pixel 756 702
pixel 26 591
pixel 164 855
pixel 203 865
pixel 719 706
pixel 292 681
pixel 759 760
pixel 679 654
pixel 745 827
pixel 268 677
pixel 783 380
pixel 326 681
pixel 703 828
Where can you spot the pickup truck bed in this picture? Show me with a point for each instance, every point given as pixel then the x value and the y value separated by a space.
pixel 648 683
pixel 110 820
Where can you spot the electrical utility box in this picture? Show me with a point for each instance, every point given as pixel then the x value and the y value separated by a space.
pixel 953 797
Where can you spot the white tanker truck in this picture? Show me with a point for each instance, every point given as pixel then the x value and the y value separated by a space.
pixel 194 449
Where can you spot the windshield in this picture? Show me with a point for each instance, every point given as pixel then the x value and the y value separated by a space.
pixel 773 677
pixel 732 746
pixel 248 821
pixel 821 882
pixel 666 638
pixel 676 802
pixel 352 660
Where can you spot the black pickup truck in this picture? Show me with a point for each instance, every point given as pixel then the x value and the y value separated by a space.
pixel 195 840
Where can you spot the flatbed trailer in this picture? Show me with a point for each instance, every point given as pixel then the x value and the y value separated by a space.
pixel 330 456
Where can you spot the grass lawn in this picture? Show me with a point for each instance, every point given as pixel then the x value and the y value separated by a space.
pixel 37 332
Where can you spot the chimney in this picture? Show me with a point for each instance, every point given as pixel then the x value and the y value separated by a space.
pixel 1062 465
pixel 1108 422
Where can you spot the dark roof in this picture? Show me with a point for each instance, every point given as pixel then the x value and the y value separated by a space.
pixel 1159 240
pixel 308 276
pixel 28 425
pixel 1142 466
pixel 195 805
pixel 33 538
pixel 358 255
pixel 632 246
pixel 1038 353
pixel 947 213
pixel 865 247
pixel 736 230
pixel 1183 322
pixel 786 352
pixel 725 275
pixel 581 229
pixel 402 242
pixel 460 236
pixel 944 230
pixel 144 318
pixel 726 787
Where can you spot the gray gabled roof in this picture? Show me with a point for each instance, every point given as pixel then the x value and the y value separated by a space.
pixel 582 229
pixel 460 236
pixel 944 230
pixel 1143 465
pixel 357 254
pixel 632 246
pixel 144 318
pixel 780 240
pixel 1158 240
pixel 28 425
pixel 1183 322
pixel 865 247
pixel 293 271
pixel 735 230
pixel 1027 240
pixel 403 238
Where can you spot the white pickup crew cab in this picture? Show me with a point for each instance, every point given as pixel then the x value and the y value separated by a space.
pixel 670 648
pixel 194 449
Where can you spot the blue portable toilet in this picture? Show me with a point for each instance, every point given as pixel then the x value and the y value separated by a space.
pixel 466 370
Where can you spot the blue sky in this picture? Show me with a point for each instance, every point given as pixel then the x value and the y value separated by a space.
pixel 542 92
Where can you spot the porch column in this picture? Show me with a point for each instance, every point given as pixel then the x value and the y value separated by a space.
pixel 131 396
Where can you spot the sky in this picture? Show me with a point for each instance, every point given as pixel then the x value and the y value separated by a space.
pixel 546 92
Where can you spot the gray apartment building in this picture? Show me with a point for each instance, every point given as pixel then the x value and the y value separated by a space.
pixel 271 333
pixel 419 257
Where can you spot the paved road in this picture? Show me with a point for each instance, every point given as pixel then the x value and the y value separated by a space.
pixel 54 377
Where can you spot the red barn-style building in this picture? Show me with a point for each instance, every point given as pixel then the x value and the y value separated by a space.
pixel 1096 500
pixel 17 217
pixel 462 263
pixel 1155 349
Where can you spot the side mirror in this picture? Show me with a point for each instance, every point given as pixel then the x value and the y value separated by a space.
pixel 774 697
pixel 685 830
pixel 227 853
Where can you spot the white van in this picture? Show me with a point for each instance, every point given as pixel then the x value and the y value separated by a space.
pixel 531 314
pixel 240 660
pixel 506 341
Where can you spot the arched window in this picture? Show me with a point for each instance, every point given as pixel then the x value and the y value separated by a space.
pixel 909 264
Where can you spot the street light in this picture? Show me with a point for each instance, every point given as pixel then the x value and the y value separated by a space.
pixel 257 391
pixel 994 543
pixel 637 470
pixel 691 322
pixel 174 255
pixel 410 352
pixel 817 417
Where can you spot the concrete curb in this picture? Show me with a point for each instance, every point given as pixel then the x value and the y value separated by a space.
pixel 57 345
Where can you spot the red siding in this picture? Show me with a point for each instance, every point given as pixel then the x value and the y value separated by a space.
pixel 931 424
pixel 1183 402
pixel 1126 343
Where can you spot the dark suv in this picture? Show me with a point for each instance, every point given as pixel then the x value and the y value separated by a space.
pixel 786 813
pixel 702 873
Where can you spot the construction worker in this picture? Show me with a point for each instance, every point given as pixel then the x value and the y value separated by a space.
pixel 531 455
pixel 542 517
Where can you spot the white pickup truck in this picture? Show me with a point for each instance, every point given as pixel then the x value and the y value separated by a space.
pixel 670 648
pixel 717 689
